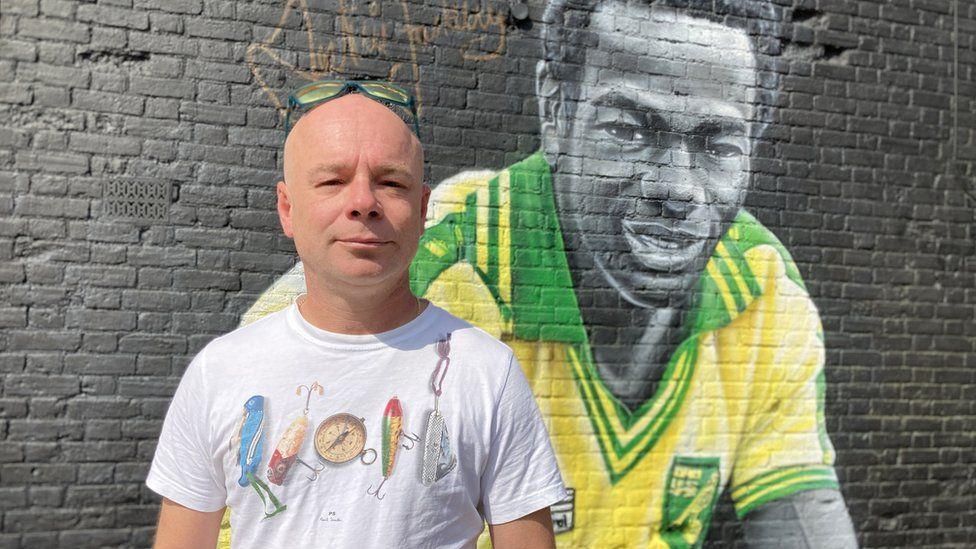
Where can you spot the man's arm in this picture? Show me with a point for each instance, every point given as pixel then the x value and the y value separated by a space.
pixel 533 531
pixel 805 520
pixel 183 528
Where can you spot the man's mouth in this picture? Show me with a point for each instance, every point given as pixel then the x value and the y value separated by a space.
pixel 662 247
pixel 364 242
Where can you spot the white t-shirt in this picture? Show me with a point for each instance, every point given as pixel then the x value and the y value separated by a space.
pixel 497 463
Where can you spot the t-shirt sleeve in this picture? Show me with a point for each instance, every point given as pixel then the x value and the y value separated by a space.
pixel 787 449
pixel 184 468
pixel 521 475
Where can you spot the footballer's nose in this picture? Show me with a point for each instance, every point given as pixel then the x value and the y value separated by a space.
pixel 678 188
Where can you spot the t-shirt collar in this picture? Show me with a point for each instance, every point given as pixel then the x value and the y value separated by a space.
pixel 359 342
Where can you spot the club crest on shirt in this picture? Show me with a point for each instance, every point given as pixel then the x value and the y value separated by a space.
pixel 692 488
pixel 562 513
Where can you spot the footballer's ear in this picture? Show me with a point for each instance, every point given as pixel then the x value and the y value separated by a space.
pixel 284 209
pixel 552 108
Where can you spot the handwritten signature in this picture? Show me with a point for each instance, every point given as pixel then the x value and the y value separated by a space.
pixel 366 31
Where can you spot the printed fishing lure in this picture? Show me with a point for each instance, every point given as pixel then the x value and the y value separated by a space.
pixel 251 437
pixel 392 431
pixel 286 453
pixel 250 452
pixel 438 458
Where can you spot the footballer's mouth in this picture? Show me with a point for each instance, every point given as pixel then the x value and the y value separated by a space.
pixel 665 246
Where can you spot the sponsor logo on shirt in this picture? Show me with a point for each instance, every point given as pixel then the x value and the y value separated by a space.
pixel 693 487
pixel 562 512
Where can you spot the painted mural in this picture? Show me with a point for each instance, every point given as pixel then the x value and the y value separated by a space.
pixel 668 335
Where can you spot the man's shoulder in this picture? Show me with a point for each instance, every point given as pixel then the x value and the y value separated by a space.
pixel 760 249
pixel 747 232
pixel 259 336
pixel 484 188
pixel 471 340
pixel 278 296
pixel 452 194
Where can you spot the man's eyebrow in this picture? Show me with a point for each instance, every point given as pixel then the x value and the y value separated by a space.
pixel 392 169
pixel 335 169
pixel 645 113
pixel 320 169
pixel 616 100
pixel 712 128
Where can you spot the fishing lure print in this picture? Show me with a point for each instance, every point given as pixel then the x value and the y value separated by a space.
pixel 438 458
pixel 250 452
pixel 286 453
pixel 272 506
pixel 392 431
pixel 251 438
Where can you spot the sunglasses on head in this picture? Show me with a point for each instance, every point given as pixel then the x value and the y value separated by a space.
pixel 313 94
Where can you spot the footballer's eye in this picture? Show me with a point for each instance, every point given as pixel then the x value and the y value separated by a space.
pixel 630 135
pixel 723 150
pixel 624 132
pixel 393 184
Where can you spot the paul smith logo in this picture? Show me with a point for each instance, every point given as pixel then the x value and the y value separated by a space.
pixel 331 516
pixel 361 32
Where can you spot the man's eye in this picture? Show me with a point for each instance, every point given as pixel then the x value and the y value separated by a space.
pixel 723 150
pixel 393 184
pixel 625 132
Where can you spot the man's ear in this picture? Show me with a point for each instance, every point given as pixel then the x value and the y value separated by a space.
pixel 424 200
pixel 548 92
pixel 284 209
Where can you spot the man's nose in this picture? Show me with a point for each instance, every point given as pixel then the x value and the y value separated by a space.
pixel 362 202
pixel 677 185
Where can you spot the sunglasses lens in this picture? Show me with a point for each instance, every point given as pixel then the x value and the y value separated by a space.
pixel 318 91
pixel 386 91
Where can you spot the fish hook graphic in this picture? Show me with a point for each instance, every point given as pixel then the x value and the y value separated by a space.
pixel 315 385
pixel 413 438
pixel 315 470
pixel 376 492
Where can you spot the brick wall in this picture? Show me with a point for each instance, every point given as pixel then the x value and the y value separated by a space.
pixel 863 175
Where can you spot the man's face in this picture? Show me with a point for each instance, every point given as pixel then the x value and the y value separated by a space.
pixel 654 164
pixel 353 198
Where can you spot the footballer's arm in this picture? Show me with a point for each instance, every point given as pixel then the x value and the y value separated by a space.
pixel 805 520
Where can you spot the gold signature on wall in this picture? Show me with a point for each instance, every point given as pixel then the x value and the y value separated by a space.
pixel 364 32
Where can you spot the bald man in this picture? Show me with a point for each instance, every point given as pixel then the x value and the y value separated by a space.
pixel 360 415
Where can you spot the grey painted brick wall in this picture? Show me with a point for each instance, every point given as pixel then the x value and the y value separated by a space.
pixel 864 176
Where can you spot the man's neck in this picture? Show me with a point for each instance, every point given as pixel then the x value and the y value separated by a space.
pixel 358 311
pixel 632 358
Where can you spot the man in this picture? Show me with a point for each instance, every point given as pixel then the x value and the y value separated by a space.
pixel 365 364
pixel 636 292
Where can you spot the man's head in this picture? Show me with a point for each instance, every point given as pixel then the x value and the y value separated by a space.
pixel 649 114
pixel 353 197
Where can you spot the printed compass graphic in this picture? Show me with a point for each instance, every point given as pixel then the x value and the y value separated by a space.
pixel 342 437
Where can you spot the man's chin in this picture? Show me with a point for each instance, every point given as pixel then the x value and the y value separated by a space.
pixel 652 289
pixel 363 272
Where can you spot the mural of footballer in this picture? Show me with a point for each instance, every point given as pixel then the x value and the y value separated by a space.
pixel 668 336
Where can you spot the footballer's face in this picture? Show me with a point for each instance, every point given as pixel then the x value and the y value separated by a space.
pixel 654 164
